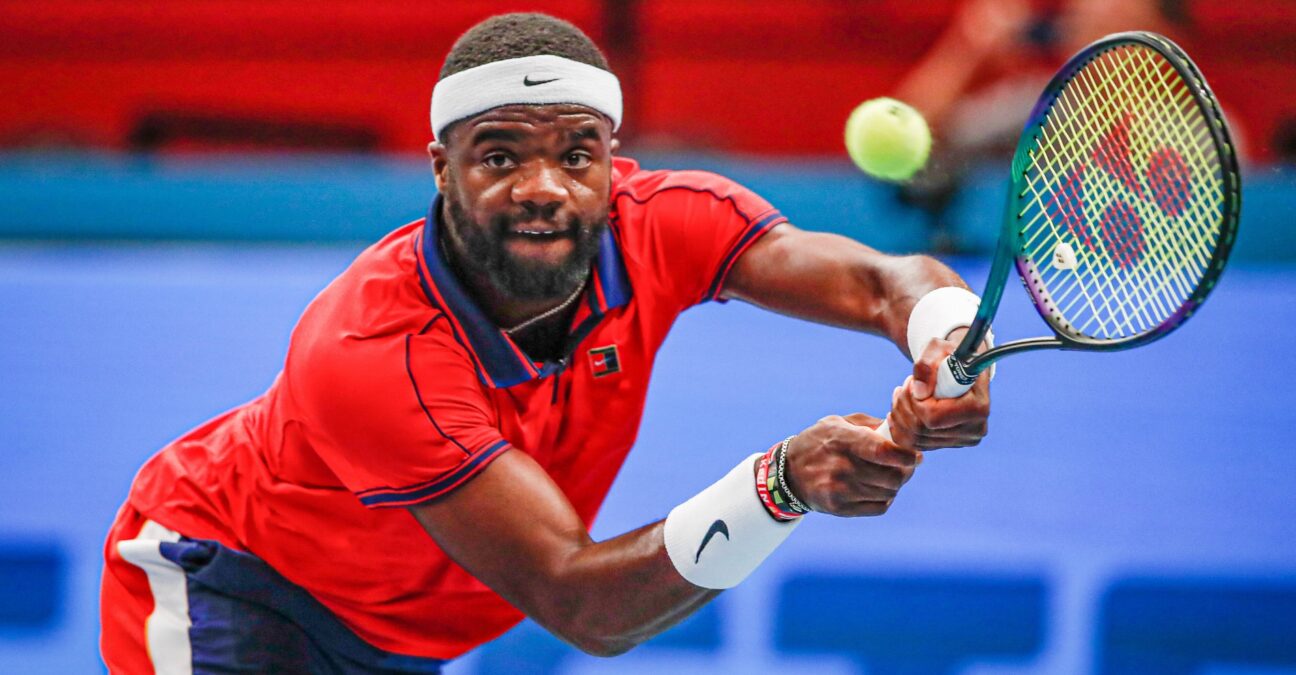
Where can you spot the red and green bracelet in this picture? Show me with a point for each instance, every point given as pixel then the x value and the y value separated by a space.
pixel 771 484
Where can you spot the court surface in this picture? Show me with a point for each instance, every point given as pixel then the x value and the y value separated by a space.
pixel 1115 491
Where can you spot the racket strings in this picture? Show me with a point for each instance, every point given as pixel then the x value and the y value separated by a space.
pixel 1137 211
pixel 1075 221
pixel 1122 222
pixel 1120 226
pixel 1121 219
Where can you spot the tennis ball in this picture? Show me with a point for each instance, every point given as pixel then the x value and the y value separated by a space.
pixel 887 139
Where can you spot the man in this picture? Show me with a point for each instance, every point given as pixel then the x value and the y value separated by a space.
pixel 485 371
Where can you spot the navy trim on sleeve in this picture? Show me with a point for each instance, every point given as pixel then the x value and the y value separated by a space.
pixel 422 492
pixel 753 233
pixel 755 227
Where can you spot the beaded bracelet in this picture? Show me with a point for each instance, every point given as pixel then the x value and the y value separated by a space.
pixel 772 487
pixel 797 505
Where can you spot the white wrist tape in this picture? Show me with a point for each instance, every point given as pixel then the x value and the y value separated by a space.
pixel 940 313
pixel 723 533
pixel 533 80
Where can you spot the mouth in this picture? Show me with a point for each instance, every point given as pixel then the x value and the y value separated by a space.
pixel 539 231
pixel 538 234
pixel 541 242
pixel 538 227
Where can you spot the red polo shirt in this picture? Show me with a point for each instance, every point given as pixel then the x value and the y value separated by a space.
pixel 397 389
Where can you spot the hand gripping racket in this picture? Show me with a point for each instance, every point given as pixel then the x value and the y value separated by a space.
pixel 1122 208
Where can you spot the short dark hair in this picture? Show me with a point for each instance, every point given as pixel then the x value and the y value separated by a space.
pixel 512 36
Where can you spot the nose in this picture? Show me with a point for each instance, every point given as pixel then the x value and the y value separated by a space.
pixel 540 187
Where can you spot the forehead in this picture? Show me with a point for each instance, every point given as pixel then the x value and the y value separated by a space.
pixel 537 122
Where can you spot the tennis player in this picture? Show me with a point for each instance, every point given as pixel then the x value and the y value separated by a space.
pixel 455 405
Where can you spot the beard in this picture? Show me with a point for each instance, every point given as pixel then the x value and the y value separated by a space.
pixel 521 279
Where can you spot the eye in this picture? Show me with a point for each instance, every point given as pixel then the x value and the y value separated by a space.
pixel 498 160
pixel 577 159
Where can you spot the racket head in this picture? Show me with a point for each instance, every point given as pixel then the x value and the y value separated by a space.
pixel 1125 196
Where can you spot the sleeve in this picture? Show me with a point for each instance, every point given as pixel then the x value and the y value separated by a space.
pixel 695 226
pixel 401 420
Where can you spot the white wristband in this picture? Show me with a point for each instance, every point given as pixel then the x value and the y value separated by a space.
pixel 940 313
pixel 723 533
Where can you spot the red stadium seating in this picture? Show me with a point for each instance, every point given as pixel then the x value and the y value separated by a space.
pixel 758 76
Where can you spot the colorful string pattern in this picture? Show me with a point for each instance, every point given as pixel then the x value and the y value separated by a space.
pixel 1123 198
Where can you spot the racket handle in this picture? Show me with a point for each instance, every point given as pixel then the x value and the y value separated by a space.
pixel 946 387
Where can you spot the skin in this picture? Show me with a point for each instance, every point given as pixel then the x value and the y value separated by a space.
pixel 605 597
pixel 554 161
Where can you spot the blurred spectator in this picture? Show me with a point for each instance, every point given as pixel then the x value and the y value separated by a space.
pixel 977 84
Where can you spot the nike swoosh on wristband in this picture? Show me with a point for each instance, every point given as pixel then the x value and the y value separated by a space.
pixel 718 527
pixel 528 82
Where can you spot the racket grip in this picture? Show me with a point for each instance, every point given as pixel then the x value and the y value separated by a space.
pixel 946 387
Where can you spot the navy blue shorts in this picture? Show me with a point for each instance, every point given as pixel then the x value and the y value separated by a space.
pixel 242 616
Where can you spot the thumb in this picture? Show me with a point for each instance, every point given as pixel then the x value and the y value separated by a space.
pixel 923 381
pixel 925 368
pixel 860 419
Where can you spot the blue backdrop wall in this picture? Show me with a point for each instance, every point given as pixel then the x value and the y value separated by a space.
pixel 1129 513
pixel 313 198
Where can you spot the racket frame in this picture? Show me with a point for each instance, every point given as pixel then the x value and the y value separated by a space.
pixel 964 363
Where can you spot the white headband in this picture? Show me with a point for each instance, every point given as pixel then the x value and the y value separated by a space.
pixel 533 80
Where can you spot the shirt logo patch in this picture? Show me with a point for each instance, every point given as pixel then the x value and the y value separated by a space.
pixel 605 360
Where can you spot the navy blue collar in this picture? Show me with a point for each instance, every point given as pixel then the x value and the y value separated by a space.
pixel 500 362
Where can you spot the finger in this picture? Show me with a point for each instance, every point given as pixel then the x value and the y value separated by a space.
pixel 944 413
pixel 950 413
pixel 879 477
pixel 968 433
pixel 860 431
pixel 927 365
pixel 869 493
pixel 904 422
pixel 893 456
pixel 901 431
pixel 911 432
pixel 914 470
pixel 868 448
pixel 927 444
pixel 860 419
pixel 864 508
pixel 944 439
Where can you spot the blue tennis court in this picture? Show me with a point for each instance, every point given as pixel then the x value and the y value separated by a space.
pixel 1121 501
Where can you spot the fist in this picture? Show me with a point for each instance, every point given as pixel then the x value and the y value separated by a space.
pixel 842 466
pixel 920 420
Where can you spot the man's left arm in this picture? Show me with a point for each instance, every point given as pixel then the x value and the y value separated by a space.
pixel 835 280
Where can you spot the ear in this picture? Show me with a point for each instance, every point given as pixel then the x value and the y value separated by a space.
pixel 615 145
pixel 440 163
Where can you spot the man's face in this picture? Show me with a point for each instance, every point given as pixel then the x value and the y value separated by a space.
pixel 526 191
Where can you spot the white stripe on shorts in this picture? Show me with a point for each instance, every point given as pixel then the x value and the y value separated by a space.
pixel 167 629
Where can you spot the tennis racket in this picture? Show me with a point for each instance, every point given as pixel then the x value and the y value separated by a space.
pixel 1122 207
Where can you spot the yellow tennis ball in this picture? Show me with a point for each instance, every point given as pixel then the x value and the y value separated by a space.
pixel 887 139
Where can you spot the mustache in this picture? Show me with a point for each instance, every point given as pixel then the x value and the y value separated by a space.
pixel 570 226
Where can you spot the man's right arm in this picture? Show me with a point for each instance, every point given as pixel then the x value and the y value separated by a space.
pixel 513 528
